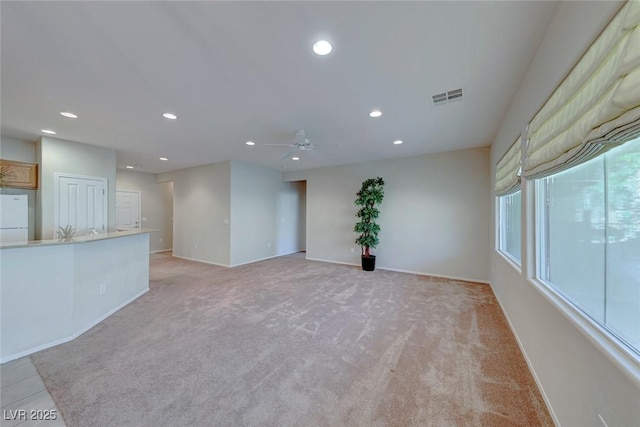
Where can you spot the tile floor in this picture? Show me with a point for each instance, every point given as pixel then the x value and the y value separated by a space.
pixel 24 396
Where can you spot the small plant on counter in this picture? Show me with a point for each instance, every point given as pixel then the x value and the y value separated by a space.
pixel 66 233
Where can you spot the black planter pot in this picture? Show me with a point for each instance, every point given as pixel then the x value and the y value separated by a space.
pixel 369 263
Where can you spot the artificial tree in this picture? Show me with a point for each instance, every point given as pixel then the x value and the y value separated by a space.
pixel 369 196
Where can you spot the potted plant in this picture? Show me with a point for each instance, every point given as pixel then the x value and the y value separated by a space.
pixel 369 196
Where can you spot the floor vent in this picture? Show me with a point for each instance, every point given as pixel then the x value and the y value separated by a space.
pixel 445 97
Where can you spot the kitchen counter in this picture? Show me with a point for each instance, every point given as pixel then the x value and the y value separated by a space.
pixel 53 291
pixel 74 240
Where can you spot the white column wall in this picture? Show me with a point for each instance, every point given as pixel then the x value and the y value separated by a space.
pixel 202 212
pixel 264 213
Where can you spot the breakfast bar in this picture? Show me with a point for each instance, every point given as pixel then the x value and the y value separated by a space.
pixel 52 291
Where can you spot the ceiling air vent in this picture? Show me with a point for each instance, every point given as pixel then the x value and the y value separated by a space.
pixel 446 97
pixel 439 98
pixel 454 94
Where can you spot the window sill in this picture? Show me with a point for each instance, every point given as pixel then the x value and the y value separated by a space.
pixel 618 353
pixel 511 260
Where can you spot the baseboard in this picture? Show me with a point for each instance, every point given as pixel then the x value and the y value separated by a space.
pixel 441 276
pixel 201 260
pixel 235 265
pixel 265 258
pixel 161 250
pixel 528 361
pixel 332 262
pixel 419 273
pixel 14 356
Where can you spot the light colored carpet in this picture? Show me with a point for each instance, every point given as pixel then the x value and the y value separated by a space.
pixel 291 342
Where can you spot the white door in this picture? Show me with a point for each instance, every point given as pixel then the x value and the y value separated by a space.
pixel 127 210
pixel 81 203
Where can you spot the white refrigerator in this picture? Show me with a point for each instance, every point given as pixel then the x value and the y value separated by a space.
pixel 14 218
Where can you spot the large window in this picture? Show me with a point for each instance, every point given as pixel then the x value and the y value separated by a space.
pixel 589 238
pixel 510 224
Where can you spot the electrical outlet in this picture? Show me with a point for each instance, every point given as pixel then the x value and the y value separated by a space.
pixel 195 246
pixel 161 240
pixel 269 244
pixel 353 251
pixel 103 288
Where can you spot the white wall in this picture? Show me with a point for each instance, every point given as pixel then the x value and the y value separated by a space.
pixel 264 213
pixel 50 294
pixel 57 155
pixel 21 151
pixel 201 205
pixel 157 205
pixel 578 380
pixel 301 188
pixel 17 150
pixel 433 218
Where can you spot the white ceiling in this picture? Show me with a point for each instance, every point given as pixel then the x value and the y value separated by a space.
pixel 238 71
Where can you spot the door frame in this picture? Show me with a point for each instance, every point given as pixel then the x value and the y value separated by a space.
pixel 56 197
pixel 139 205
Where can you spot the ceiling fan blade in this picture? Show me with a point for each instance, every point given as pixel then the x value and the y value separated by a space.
pixel 331 145
pixel 315 154
pixel 289 154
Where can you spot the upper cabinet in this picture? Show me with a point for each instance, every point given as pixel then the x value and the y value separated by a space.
pixel 18 175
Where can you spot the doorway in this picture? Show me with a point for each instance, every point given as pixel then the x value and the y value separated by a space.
pixel 128 210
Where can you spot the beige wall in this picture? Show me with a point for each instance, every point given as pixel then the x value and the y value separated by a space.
pixel 433 218
pixel 265 213
pixel 301 189
pixel 17 150
pixel 157 205
pixel 202 212
pixel 60 156
pixel 21 151
pixel 232 213
pixel 579 380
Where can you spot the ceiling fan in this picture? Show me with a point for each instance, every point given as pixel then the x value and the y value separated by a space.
pixel 301 143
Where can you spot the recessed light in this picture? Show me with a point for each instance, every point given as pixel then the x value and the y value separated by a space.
pixel 397 142
pixel 49 131
pixel 129 167
pixel 250 143
pixel 164 159
pixel 69 114
pixel 375 113
pixel 295 158
pixel 170 116
pixel 322 47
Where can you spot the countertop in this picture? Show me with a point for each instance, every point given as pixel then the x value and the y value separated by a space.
pixel 75 240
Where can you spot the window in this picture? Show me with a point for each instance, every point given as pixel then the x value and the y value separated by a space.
pixel 589 238
pixel 510 224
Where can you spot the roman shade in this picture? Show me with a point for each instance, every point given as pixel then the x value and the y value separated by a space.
pixel 596 107
pixel 508 170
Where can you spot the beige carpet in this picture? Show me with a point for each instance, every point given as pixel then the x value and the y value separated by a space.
pixel 291 342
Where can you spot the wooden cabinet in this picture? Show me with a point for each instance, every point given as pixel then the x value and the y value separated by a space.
pixel 18 175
